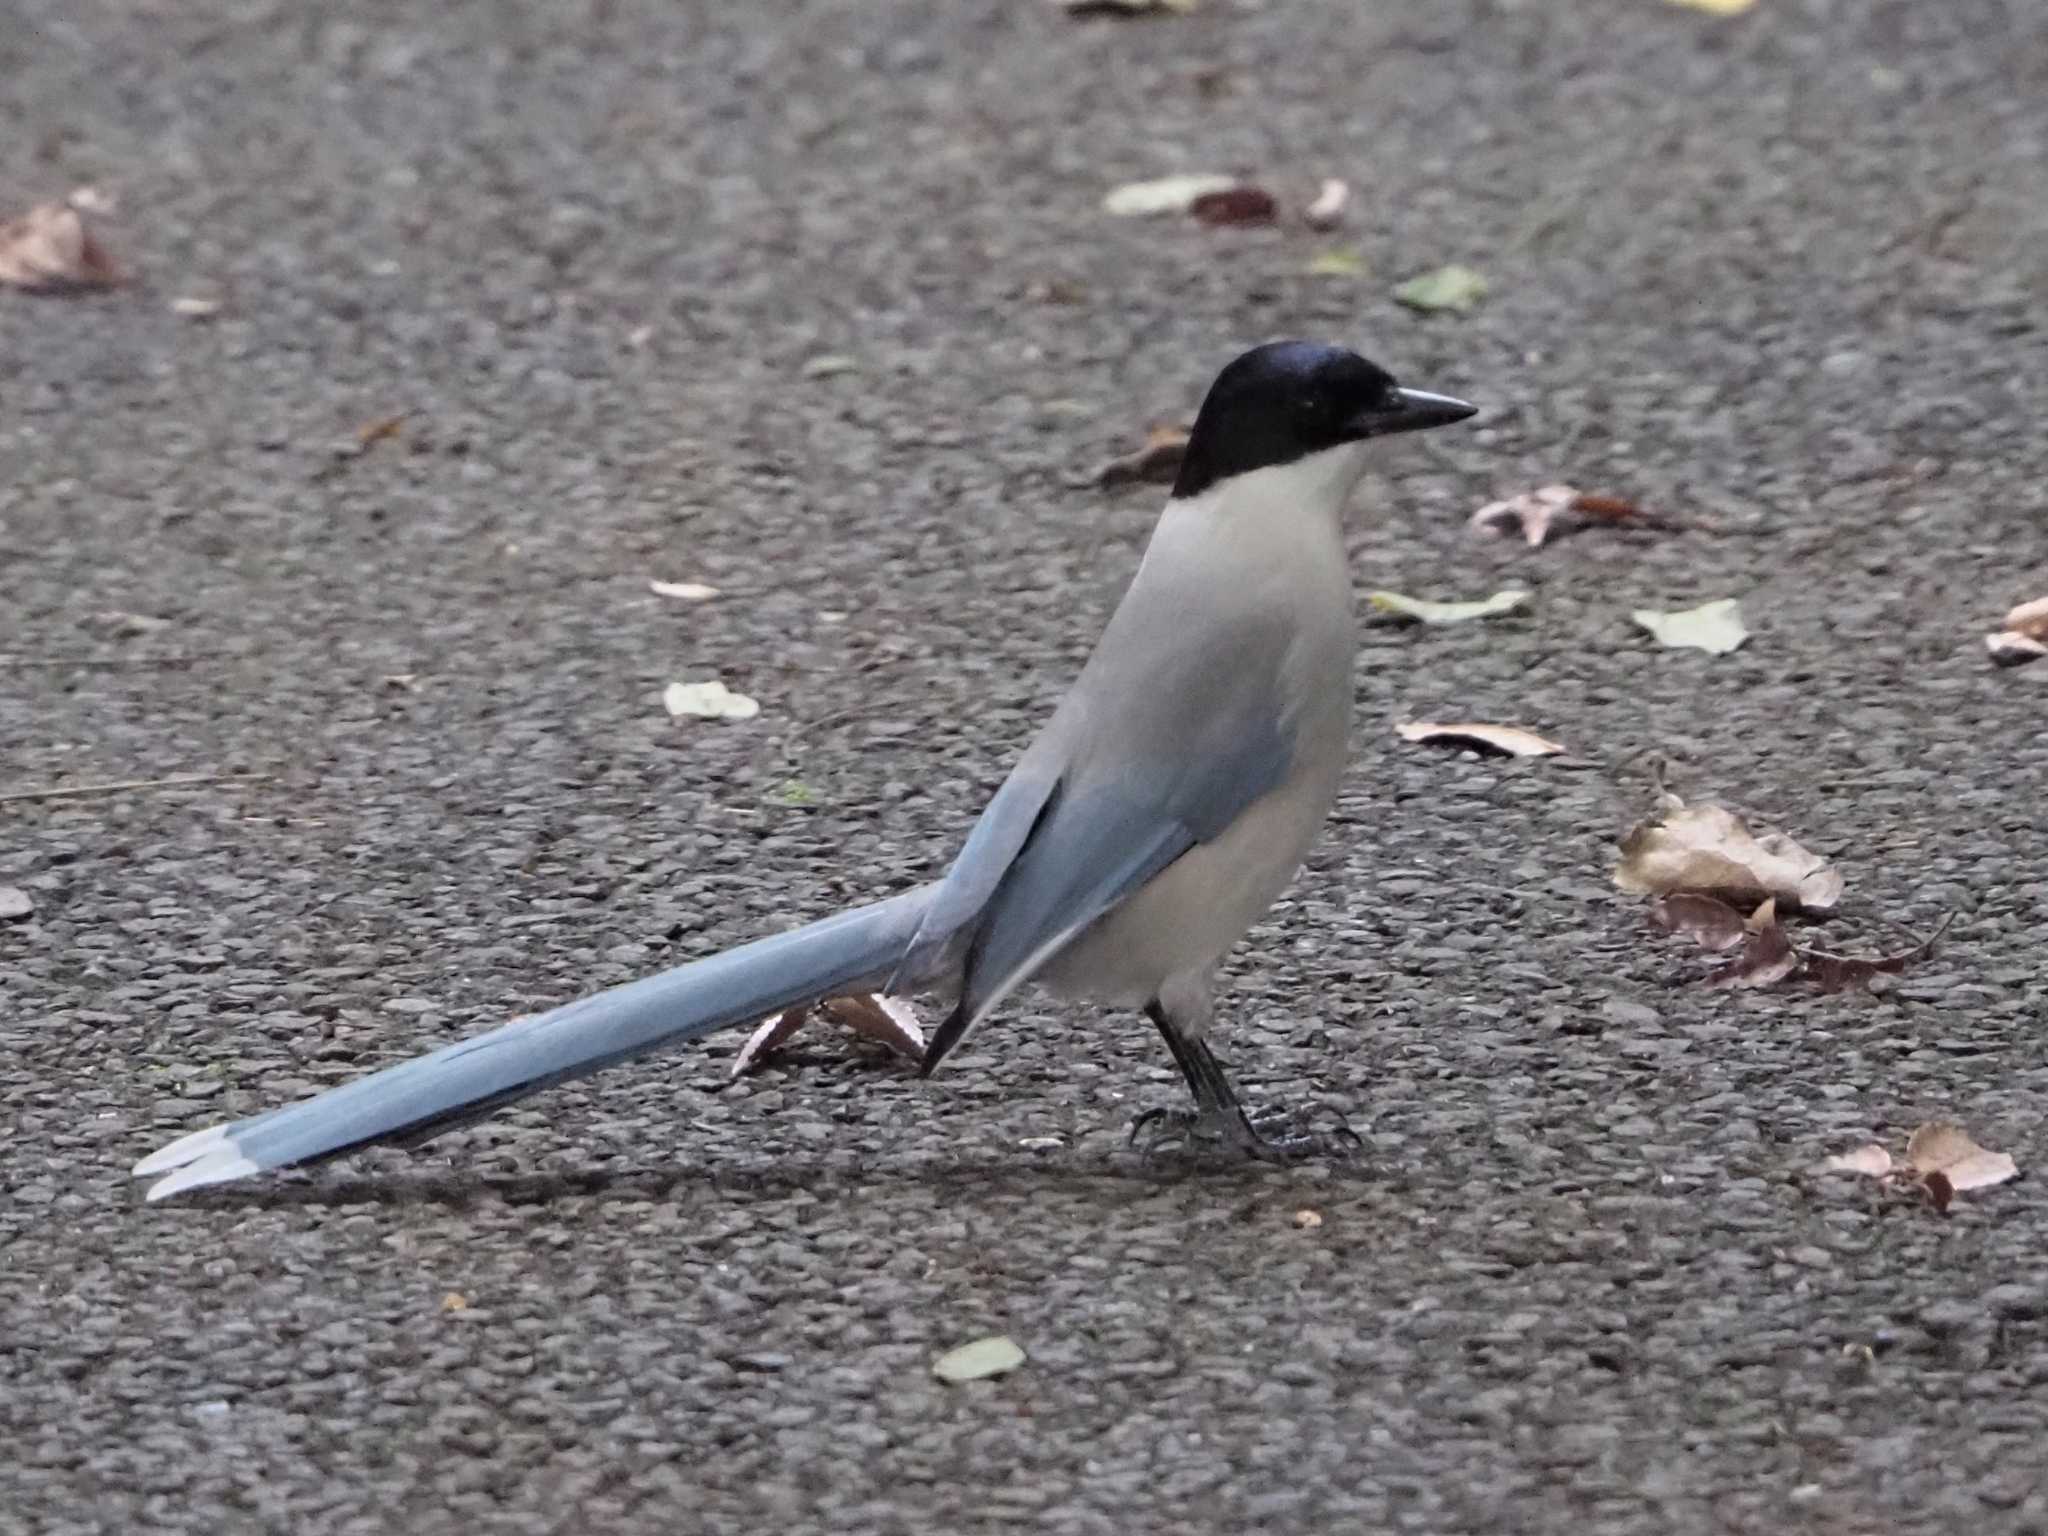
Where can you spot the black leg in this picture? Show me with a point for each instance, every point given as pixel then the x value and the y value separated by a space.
pixel 1218 1119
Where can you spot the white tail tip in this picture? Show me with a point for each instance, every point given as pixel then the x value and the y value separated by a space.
pixel 215 1168
pixel 185 1149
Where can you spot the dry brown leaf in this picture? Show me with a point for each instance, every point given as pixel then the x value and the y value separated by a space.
pixel 890 1020
pixel 1837 973
pixel 769 1037
pixel 1708 850
pixel 455 1301
pixel 1509 740
pixel 1236 205
pixel 1872 1160
pixel 49 250
pixel 1940 1192
pixel 1154 464
pixel 1950 1151
pixel 873 1016
pixel 1707 922
pixel 1767 956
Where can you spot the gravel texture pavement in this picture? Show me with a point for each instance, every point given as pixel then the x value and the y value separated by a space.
pixel 1780 276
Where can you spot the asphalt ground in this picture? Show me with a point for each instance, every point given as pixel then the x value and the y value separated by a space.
pixel 1780 277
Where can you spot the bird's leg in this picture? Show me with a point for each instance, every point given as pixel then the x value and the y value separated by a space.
pixel 1218 1119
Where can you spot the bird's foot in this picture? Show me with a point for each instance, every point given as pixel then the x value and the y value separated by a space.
pixel 1273 1135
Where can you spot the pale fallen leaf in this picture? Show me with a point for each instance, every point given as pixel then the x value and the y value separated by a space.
pixel 1714 627
pixel 1453 288
pixel 1421 610
pixel 991 1356
pixel 49 250
pixel 686 591
pixel 1510 740
pixel 1337 264
pixel 1716 7
pixel 1327 211
pixel 1711 851
pixel 1952 1152
pixel 1308 1219
pixel 708 701
pixel 1040 1143
pixel 192 307
pixel 455 1301
pixel 1156 463
pixel 830 366
pixel 15 903
pixel 1871 1160
pixel 2030 619
pixel 1236 205
pixel 1167 194
pixel 90 200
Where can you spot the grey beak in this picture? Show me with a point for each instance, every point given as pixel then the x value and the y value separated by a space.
pixel 1413 410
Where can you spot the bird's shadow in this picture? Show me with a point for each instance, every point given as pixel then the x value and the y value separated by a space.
pixel 1111 1175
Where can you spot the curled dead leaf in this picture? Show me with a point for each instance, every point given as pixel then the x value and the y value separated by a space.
pixel 1767 956
pixel 767 1038
pixel 1508 740
pixel 49 250
pixel 892 1021
pixel 1710 923
pixel 1951 1152
pixel 1327 211
pixel 1534 510
pixel 2010 648
pixel 1708 850
pixel 873 1016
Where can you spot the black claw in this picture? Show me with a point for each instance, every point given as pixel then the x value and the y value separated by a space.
pixel 1267 1136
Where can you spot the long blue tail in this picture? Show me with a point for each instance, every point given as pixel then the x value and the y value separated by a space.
pixel 856 951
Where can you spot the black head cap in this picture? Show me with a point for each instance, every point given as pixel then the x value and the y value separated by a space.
pixel 1289 399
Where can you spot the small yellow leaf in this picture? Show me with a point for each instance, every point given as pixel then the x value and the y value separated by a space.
pixel 1717 7
pixel 1337 263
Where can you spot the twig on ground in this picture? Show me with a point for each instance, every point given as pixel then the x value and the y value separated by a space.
pixel 175 781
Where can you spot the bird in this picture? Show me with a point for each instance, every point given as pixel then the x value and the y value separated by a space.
pixel 1167 801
